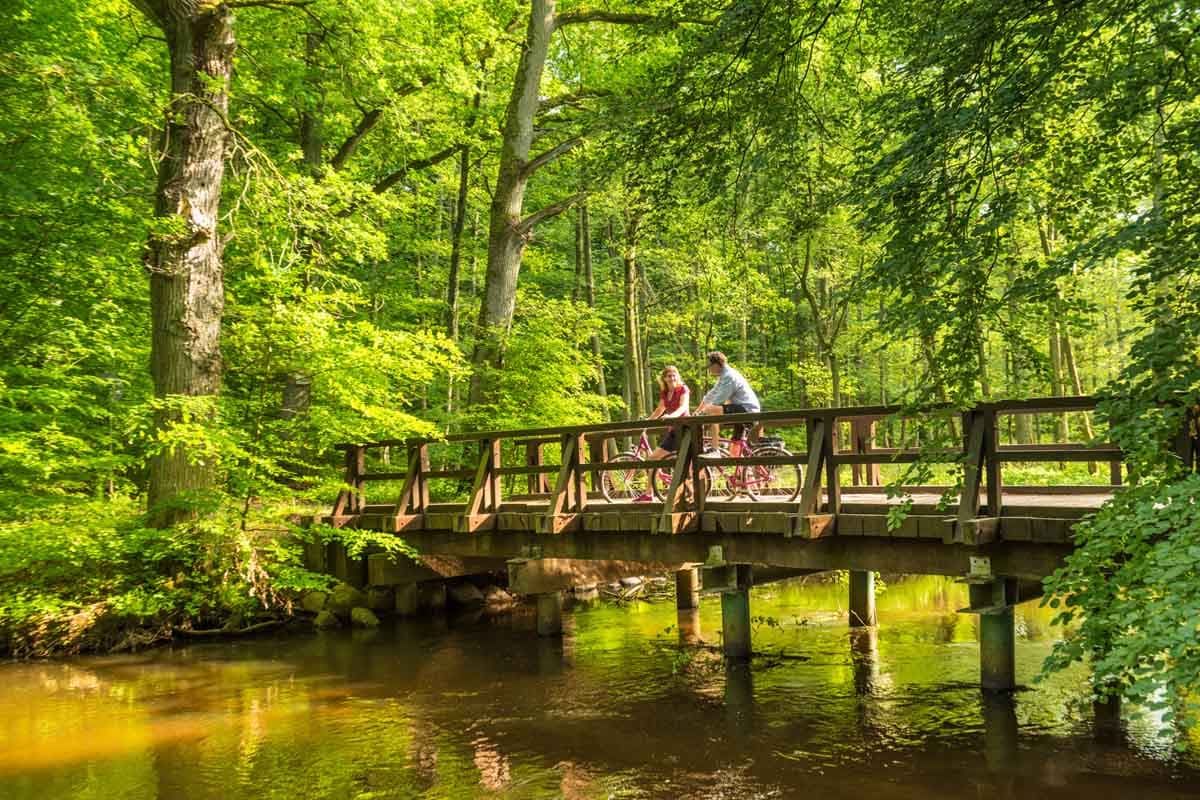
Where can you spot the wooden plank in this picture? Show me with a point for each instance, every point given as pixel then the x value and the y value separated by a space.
pixel 558 523
pixel 1043 455
pixel 674 523
pixel 474 523
pixel 850 525
pixel 814 526
pixel 979 531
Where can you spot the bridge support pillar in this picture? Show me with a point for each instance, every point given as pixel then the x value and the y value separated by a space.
pixel 735 624
pixel 687 589
pixel 408 599
pixel 997 650
pixel 549 614
pixel 862 599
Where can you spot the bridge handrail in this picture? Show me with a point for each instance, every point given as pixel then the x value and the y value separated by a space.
pixel 585 458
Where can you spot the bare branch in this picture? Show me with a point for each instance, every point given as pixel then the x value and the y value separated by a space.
pixel 546 212
pixel 276 4
pixel 539 161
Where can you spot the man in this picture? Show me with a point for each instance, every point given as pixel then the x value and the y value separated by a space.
pixel 731 395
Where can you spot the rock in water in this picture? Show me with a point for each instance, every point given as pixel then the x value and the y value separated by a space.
pixel 629 583
pixel 326 619
pixel 363 618
pixel 313 602
pixel 381 598
pixel 343 598
pixel 465 595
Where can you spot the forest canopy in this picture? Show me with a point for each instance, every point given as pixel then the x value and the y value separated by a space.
pixel 234 234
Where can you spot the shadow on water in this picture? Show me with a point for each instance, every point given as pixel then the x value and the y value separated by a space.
pixel 633 701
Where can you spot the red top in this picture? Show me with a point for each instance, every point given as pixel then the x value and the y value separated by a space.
pixel 673 399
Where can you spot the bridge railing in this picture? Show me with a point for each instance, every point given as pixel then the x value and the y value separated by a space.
pixel 584 452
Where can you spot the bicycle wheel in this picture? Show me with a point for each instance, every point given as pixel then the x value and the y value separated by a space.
pixel 723 483
pixel 773 481
pixel 627 483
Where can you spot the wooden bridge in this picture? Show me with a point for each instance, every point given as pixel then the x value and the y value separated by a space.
pixel 533 500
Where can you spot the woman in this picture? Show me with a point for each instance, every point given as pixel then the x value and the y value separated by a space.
pixel 673 401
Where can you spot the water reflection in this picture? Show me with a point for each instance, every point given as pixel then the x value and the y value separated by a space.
pixel 623 705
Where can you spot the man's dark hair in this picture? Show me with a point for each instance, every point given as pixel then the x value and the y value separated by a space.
pixel 718 358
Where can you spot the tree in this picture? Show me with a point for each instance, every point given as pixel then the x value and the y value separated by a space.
pixel 184 251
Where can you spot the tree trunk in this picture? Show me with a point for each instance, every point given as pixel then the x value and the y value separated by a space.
pixel 456 232
pixel 633 344
pixel 186 283
pixel 506 237
pixel 585 230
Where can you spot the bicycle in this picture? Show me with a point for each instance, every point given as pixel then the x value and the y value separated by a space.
pixel 757 481
pixel 633 483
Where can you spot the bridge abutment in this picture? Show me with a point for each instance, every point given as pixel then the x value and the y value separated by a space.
pixel 862 599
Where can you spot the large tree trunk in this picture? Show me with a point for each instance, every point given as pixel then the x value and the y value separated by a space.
pixel 506 234
pixel 186 283
pixel 633 339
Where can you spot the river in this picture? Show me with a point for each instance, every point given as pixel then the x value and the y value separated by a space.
pixel 630 704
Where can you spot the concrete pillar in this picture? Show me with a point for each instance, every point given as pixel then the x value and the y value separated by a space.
pixel 549 614
pixel 735 624
pixel 862 598
pixel 407 599
pixel 997 650
pixel 689 626
pixel 687 589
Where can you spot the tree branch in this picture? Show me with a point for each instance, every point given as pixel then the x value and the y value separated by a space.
pixel 571 98
pixel 369 120
pixel 545 213
pixel 391 179
pixel 539 161
pixel 617 18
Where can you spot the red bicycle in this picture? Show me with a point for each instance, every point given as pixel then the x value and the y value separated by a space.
pixel 718 481
pixel 634 483
pixel 757 481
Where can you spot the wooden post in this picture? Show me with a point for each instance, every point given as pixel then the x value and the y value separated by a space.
pixel 833 484
pixel 995 484
pixel 735 624
pixel 862 599
pixel 569 495
pixel 597 454
pixel 974 427
pixel 533 458
pixel 810 498
pixel 997 650
pixel 360 484
pixel 687 589
pixel 684 462
pixel 414 494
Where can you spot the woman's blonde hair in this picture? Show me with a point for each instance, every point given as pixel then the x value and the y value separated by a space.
pixel 662 377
